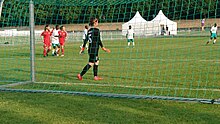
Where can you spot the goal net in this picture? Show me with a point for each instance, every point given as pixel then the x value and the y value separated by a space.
pixel 169 57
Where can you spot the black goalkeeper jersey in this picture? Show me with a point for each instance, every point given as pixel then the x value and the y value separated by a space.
pixel 94 39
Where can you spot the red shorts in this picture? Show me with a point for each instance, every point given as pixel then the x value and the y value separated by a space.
pixel 47 44
pixel 62 43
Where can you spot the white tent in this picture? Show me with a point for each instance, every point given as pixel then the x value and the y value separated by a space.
pixel 161 21
pixel 138 23
pixel 154 27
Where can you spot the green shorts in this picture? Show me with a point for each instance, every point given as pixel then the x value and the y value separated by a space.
pixel 56 45
pixel 130 40
pixel 214 35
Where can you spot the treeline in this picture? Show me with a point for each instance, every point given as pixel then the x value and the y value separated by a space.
pixel 16 12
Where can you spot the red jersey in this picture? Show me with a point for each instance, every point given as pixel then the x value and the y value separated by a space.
pixel 46 35
pixel 62 36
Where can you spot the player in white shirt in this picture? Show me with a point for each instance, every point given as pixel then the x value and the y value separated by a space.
pixel 203 24
pixel 213 32
pixel 55 41
pixel 85 35
pixel 130 36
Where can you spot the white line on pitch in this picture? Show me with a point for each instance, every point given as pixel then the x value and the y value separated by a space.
pixel 126 86
pixel 150 59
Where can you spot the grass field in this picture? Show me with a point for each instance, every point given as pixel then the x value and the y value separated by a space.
pixel 34 108
pixel 170 67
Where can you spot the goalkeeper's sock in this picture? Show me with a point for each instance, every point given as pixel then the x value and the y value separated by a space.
pixel 95 70
pixel 85 69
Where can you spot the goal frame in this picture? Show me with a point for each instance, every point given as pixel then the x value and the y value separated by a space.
pixel 1 5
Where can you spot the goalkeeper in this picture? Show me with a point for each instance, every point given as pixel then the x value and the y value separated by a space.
pixel 94 39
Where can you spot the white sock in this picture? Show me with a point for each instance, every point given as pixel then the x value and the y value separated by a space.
pixel 133 43
pixel 53 51
pixel 214 41
pixel 128 43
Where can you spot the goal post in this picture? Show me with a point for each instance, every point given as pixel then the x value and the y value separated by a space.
pixel 32 41
pixel 167 58
pixel 1 4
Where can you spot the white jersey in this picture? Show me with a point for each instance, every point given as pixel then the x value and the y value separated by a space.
pixel 130 34
pixel 214 29
pixel 55 37
pixel 85 34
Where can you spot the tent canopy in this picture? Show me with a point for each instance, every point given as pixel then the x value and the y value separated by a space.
pixel 138 23
pixel 161 21
pixel 137 19
pixel 156 26
pixel 160 16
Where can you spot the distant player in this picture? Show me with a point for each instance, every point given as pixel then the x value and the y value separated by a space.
pixel 167 31
pixel 203 24
pixel 213 32
pixel 94 40
pixel 84 36
pixel 130 36
pixel 62 37
pixel 55 41
pixel 46 40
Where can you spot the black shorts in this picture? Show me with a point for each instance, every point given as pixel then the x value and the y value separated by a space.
pixel 93 58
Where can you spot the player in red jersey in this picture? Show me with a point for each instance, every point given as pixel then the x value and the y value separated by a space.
pixel 62 37
pixel 46 40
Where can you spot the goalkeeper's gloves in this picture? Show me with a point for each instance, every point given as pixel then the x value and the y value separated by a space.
pixel 106 50
pixel 82 50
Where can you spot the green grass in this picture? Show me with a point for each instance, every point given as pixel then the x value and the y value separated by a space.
pixel 34 108
pixel 174 67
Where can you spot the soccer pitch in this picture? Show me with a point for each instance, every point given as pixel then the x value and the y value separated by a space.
pixel 168 66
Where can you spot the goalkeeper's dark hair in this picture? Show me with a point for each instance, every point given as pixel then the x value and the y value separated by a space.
pixel 45 28
pixel 92 21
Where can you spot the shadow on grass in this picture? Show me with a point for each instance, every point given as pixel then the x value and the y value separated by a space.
pixel 53 108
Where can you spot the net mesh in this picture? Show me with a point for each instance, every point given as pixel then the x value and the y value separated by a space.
pixel 159 65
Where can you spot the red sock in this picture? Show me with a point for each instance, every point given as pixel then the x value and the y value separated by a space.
pixel 48 50
pixel 62 51
pixel 58 51
pixel 45 52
